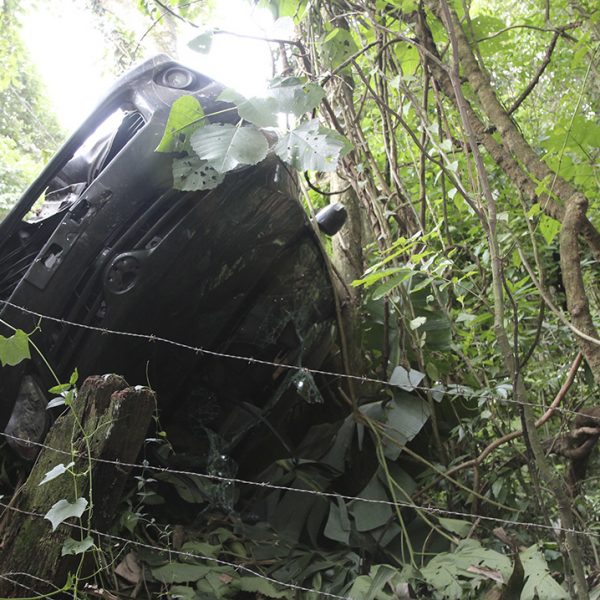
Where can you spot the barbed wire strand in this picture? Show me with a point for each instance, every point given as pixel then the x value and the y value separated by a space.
pixel 335 496
pixel 454 390
pixel 6 577
pixel 183 553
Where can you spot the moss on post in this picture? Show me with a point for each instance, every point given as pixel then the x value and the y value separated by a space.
pixel 108 422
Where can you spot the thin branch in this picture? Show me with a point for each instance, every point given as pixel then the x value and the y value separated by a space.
pixel 539 422
pixel 314 188
pixel 560 30
pixel 551 305
pixel 538 74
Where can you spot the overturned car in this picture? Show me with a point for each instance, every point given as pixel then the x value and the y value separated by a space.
pixel 111 269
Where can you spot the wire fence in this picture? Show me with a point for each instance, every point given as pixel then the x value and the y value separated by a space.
pixel 145 465
pixel 454 390
pixel 436 511
pixel 172 551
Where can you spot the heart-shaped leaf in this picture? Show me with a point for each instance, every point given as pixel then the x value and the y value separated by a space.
pixel 186 115
pixel 14 349
pixel 226 146
pixel 191 174
pixel 262 112
pixel 306 149
pixel 64 509
pixel 294 95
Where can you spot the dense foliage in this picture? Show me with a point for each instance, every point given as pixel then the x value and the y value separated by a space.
pixel 469 302
pixel 29 132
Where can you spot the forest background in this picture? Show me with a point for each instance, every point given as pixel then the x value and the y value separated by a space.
pixel 468 280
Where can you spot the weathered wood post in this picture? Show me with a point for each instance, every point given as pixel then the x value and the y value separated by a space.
pixel 109 421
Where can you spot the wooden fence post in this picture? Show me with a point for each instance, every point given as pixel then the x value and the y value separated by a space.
pixel 109 421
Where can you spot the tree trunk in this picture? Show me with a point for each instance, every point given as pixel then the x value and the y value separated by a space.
pixel 108 421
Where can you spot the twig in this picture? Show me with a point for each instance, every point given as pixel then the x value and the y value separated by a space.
pixel 538 74
pixel 551 305
pixel 516 434
pixel 314 188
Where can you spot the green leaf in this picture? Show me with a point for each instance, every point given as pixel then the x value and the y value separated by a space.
pixel 14 349
pixel 417 322
pixel 305 149
pixel 347 145
pixel 60 388
pixel 262 112
pixel 371 586
pixel 408 57
pixel 337 47
pixel 202 43
pixel 407 380
pixel 448 572
pixel 226 146
pixel 367 515
pixel 535 210
pixel 202 548
pixel 72 546
pixel 63 509
pixel 176 572
pixel 338 525
pixel 186 115
pixel 55 472
pixel 372 278
pixel 538 581
pixel 258 585
pixel 182 592
pixel 549 228
pixel 403 419
pixel 460 528
pixel 392 283
pixel 74 377
pixel 191 174
pixel 294 95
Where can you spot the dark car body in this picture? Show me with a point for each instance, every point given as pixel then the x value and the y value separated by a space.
pixel 237 270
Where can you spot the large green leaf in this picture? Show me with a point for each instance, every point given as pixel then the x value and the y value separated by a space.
pixel 338 525
pixel 549 227
pixel 14 349
pixel 294 95
pixel 538 581
pixel 186 115
pixel 448 572
pixel 306 149
pixel 403 419
pixel 367 515
pixel 262 587
pixel 262 112
pixel 191 174
pixel 176 572
pixel 337 47
pixel 63 509
pixel 226 146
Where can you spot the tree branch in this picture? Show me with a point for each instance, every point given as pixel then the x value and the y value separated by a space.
pixel 536 77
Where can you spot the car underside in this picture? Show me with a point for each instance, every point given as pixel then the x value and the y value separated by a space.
pixel 200 295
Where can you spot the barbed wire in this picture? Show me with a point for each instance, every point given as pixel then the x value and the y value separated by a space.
pixel 183 553
pixel 456 390
pixel 22 585
pixel 333 495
